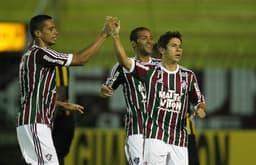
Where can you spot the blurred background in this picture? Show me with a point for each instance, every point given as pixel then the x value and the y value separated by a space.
pixel 219 45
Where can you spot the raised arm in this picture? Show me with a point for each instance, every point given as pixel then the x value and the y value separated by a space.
pixel 122 57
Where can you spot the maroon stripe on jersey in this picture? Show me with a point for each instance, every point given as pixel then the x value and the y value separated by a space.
pixel 162 112
pixel 152 91
pixel 140 122
pixel 133 90
pixel 185 107
pixel 49 79
pixel 189 80
pixel 52 104
pixel 31 69
pixel 151 101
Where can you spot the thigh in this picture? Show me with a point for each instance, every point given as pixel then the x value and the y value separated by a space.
pixel 134 149
pixel 35 141
pixel 177 155
pixel 155 152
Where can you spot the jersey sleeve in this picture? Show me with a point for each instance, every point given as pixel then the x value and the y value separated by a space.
pixel 116 77
pixel 195 94
pixel 50 57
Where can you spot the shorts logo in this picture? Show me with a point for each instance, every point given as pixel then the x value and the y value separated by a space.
pixel 136 160
pixel 48 157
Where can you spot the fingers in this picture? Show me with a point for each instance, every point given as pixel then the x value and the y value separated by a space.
pixel 79 108
pixel 106 91
pixel 112 25
pixel 75 107
pixel 201 113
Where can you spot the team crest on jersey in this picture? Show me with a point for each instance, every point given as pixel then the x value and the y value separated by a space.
pixel 169 101
pixel 48 157
pixel 136 160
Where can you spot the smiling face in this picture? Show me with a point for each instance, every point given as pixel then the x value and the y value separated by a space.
pixel 144 43
pixel 47 35
pixel 173 51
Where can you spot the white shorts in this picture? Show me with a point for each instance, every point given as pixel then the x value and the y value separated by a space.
pixel 157 152
pixel 36 144
pixel 134 149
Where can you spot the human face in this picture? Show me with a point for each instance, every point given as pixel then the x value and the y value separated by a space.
pixel 144 44
pixel 173 51
pixel 48 34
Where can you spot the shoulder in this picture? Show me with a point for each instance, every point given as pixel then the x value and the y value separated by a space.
pixel 184 69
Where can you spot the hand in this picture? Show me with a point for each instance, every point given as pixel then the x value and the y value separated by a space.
pixel 116 29
pixel 110 25
pixel 106 91
pixel 201 112
pixel 70 106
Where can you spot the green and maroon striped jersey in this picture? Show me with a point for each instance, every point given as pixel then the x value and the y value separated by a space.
pixel 168 94
pixel 134 94
pixel 37 84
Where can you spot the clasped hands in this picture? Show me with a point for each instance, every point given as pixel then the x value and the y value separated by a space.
pixel 111 26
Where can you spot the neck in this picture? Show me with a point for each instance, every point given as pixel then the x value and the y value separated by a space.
pixel 40 43
pixel 143 58
pixel 170 66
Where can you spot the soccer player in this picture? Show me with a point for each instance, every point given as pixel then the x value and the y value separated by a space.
pixel 134 93
pixel 193 158
pixel 38 88
pixel 169 87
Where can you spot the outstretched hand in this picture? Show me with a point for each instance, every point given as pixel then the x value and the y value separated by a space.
pixel 70 106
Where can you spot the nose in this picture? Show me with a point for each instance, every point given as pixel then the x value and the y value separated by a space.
pixel 179 49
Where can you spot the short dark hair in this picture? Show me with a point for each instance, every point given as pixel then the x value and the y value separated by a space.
pixel 36 23
pixel 165 38
pixel 134 33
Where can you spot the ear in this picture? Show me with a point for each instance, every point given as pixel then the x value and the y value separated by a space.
pixel 161 50
pixel 133 44
pixel 37 33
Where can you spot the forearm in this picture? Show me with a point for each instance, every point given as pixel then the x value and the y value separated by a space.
pixel 122 57
pixel 84 55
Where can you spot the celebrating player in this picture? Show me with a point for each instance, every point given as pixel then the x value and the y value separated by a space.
pixel 134 93
pixel 169 87
pixel 38 89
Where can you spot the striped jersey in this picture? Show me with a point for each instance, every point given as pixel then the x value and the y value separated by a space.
pixel 134 94
pixel 168 94
pixel 38 84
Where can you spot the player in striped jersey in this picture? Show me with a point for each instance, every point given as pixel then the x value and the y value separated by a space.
pixel 38 89
pixel 134 93
pixel 193 158
pixel 169 87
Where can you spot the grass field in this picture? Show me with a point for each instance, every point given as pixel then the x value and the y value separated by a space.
pixel 215 33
